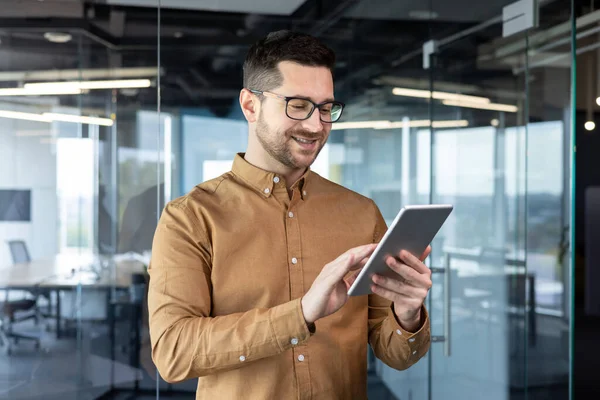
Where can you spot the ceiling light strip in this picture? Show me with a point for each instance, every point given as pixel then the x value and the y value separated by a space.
pixel 380 125
pixel 491 106
pixel 79 119
pixel 426 94
pixel 38 91
pixel 51 117
pixel 90 85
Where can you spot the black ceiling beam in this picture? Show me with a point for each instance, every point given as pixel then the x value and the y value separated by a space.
pixel 96 34
pixel 186 42
pixel 199 77
pixel 195 93
pixel 317 16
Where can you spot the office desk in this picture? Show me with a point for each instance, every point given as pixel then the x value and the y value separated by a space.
pixel 69 272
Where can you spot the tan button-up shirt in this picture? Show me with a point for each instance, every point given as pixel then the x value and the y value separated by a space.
pixel 231 261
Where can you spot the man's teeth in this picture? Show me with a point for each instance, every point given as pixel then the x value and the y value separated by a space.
pixel 303 140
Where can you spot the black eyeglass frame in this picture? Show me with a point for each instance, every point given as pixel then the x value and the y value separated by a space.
pixel 289 98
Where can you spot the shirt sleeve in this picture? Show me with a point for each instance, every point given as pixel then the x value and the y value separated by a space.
pixel 186 341
pixel 391 343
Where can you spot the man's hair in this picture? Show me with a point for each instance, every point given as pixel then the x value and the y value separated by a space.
pixel 261 70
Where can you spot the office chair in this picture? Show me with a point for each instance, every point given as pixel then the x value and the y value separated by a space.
pixel 20 254
pixel 12 312
pixel 19 251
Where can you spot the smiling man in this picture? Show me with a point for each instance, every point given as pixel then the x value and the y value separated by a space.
pixel 249 271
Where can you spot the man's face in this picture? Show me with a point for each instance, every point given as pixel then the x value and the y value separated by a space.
pixel 293 143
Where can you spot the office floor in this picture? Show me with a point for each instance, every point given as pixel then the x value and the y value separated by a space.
pixel 63 369
pixel 55 372
pixel 72 368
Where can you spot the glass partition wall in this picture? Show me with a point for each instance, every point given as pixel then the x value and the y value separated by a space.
pixel 501 154
pixel 82 159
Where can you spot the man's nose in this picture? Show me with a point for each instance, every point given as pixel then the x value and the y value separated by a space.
pixel 313 123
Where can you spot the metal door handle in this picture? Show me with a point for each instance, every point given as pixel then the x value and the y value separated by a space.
pixel 447 305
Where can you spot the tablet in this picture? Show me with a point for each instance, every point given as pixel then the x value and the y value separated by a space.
pixel 412 230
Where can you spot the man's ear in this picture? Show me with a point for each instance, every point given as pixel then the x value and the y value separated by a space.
pixel 250 105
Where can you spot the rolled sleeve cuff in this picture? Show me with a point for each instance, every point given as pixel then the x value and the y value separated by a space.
pixel 288 325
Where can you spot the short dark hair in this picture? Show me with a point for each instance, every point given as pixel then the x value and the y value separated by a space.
pixel 261 65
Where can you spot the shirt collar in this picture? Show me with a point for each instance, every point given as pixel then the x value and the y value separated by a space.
pixel 263 181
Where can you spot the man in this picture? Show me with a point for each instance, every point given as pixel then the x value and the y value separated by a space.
pixel 247 284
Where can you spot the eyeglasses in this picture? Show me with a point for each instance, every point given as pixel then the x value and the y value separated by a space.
pixel 300 109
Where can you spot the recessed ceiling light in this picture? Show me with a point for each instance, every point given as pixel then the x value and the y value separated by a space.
pixel 58 37
pixel 590 125
pixel 423 14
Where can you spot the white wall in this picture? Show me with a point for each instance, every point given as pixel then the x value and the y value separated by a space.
pixel 28 161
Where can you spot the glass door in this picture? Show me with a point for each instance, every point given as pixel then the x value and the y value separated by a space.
pixel 478 305
pixel 498 302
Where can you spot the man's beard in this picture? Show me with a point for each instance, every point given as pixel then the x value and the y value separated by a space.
pixel 278 145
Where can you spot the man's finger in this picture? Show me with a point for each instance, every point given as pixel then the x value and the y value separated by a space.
pixel 400 287
pixel 385 293
pixel 426 253
pixel 350 280
pixel 351 260
pixel 397 286
pixel 413 262
pixel 407 273
pixel 362 251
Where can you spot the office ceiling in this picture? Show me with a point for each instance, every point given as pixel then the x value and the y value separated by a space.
pixel 203 43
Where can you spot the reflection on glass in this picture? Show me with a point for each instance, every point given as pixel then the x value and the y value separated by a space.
pixel 545 197
pixel 74 180
pixel 209 145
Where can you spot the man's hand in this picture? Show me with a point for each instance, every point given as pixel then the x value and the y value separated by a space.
pixel 329 291
pixel 408 289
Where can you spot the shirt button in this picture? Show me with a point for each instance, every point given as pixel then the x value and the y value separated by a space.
pixel 398 331
pixel 294 260
pixel 276 179
pixel 291 214
pixel 304 192
pixel 267 190
pixel 300 358
pixel 294 341
pixel 411 339
pixel 242 358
